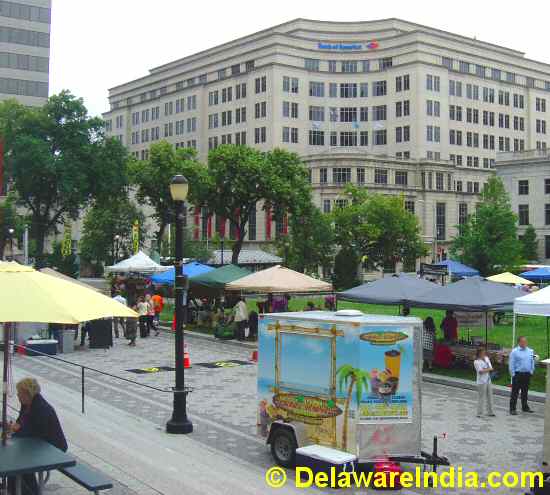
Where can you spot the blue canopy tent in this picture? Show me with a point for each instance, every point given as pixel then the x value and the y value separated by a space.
pixel 189 269
pixel 457 269
pixel 538 275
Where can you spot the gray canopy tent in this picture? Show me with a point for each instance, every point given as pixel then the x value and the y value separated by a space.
pixel 397 289
pixel 474 294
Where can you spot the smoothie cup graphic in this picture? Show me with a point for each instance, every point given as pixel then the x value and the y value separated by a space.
pixel 392 361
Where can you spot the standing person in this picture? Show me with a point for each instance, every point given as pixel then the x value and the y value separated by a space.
pixel 150 313
pixel 85 330
pixel 119 321
pixel 428 342
pixel 521 364
pixel 241 317
pixel 143 309
pixel 483 368
pixel 131 328
pixel 37 419
pixel 158 304
pixel 449 325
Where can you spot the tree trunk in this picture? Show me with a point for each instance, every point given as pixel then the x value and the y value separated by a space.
pixel 237 250
pixel 160 235
pixel 346 414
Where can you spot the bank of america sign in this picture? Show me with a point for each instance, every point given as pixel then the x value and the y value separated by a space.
pixel 369 45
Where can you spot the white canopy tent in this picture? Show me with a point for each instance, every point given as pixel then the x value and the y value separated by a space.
pixel 534 304
pixel 139 263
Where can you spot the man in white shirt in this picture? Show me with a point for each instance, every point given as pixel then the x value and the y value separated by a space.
pixel 241 318
pixel 116 321
pixel 483 368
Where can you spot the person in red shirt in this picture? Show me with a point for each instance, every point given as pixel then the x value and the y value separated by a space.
pixel 449 325
pixel 158 304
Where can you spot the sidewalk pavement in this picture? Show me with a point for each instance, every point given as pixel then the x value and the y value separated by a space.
pixel 140 457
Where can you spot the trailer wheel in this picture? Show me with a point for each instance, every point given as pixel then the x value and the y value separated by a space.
pixel 283 447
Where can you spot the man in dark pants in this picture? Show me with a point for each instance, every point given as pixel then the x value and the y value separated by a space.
pixel 522 365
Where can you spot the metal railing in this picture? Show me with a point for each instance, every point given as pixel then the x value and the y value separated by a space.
pixel 505 156
pixel 83 369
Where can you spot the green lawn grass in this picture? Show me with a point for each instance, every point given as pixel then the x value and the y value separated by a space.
pixel 533 327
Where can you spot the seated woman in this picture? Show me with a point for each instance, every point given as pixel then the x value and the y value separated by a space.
pixel 37 419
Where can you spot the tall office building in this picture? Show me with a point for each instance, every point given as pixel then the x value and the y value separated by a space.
pixel 25 50
pixel 390 105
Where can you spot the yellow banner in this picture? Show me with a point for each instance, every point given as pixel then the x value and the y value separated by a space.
pixel 67 244
pixel 135 236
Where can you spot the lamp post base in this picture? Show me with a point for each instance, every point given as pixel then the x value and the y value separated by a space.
pixel 179 427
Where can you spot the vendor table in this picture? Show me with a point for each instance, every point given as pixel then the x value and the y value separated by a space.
pixel 29 456
pixel 467 353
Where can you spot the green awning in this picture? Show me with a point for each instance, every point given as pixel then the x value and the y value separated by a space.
pixel 218 278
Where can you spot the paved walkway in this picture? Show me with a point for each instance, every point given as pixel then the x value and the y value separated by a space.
pixel 124 422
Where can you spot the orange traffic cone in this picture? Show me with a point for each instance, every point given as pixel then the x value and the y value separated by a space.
pixel 186 360
pixel 254 356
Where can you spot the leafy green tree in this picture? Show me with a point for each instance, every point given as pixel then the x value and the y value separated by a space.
pixel 310 241
pixel 60 161
pixel 378 228
pixel 152 180
pixel 346 264
pixel 105 221
pixel 196 250
pixel 530 244
pixel 239 178
pixel 489 240
pixel 10 219
pixel 64 264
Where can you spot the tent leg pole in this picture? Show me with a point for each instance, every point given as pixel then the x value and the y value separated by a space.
pixel 547 340
pixel 486 330
pixel 513 330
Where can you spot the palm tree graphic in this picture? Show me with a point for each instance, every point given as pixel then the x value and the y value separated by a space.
pixel 351 377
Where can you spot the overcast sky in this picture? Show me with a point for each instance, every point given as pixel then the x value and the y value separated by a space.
pixel 98 44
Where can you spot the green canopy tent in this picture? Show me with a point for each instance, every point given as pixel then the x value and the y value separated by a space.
pixel 213 282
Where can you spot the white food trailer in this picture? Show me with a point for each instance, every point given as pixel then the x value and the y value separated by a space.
pixel 344 380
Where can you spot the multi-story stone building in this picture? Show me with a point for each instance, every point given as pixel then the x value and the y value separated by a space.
pixel 24 55
pixel 391 105
pixel 526 176
pixel 25 50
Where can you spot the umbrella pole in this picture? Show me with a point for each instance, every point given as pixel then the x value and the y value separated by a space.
pixel 547 340
pixel 7 338
pixel 486 330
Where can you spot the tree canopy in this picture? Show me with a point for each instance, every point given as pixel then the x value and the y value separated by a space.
pixel 105 221
pixel 10 219
pixel 529 244
pixel 238 178
pixel 378 229
pixel 488 241
pixel 60 161
pixel 152 179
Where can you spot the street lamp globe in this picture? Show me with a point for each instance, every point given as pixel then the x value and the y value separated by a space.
pixel 179 187
pixel 11 231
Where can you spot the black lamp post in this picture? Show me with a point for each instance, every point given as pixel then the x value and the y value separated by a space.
pixel 222 242
pixel 116 249
pixel 179 423
pixel 11 232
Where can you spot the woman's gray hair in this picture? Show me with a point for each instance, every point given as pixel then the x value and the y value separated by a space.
pixel 28 385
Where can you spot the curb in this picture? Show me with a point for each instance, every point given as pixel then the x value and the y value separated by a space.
pixel 447 381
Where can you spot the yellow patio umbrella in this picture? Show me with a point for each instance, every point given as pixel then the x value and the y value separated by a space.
pixel 509 278
pixel 34 297
pixel 31 296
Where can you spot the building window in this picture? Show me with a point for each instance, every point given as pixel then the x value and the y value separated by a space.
pixel 348 139
pixel 439 181
pixel 546 186
pixel 316 89
pixel 348 90
pixel 332 65
pixel 385 63
pixel 379 88
pixel 380 137
pixel 409 206
pixel 523 214
pixel 323 175
pixel 260 135
pixel 546 214
pixel 379 112
pixel 249 65
pixel 360 175
pixel 380 176
pixel 317 114
pixel 326 205
pixel 401 178
pixel 252 224
pixel 348 114
pixel 349 66
pixel 523 187
pixel 440 215
pixel 316 138
pixel 364 138
pixel 364 114
pixel 341 175
pixel 312 64
pixel 462 212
